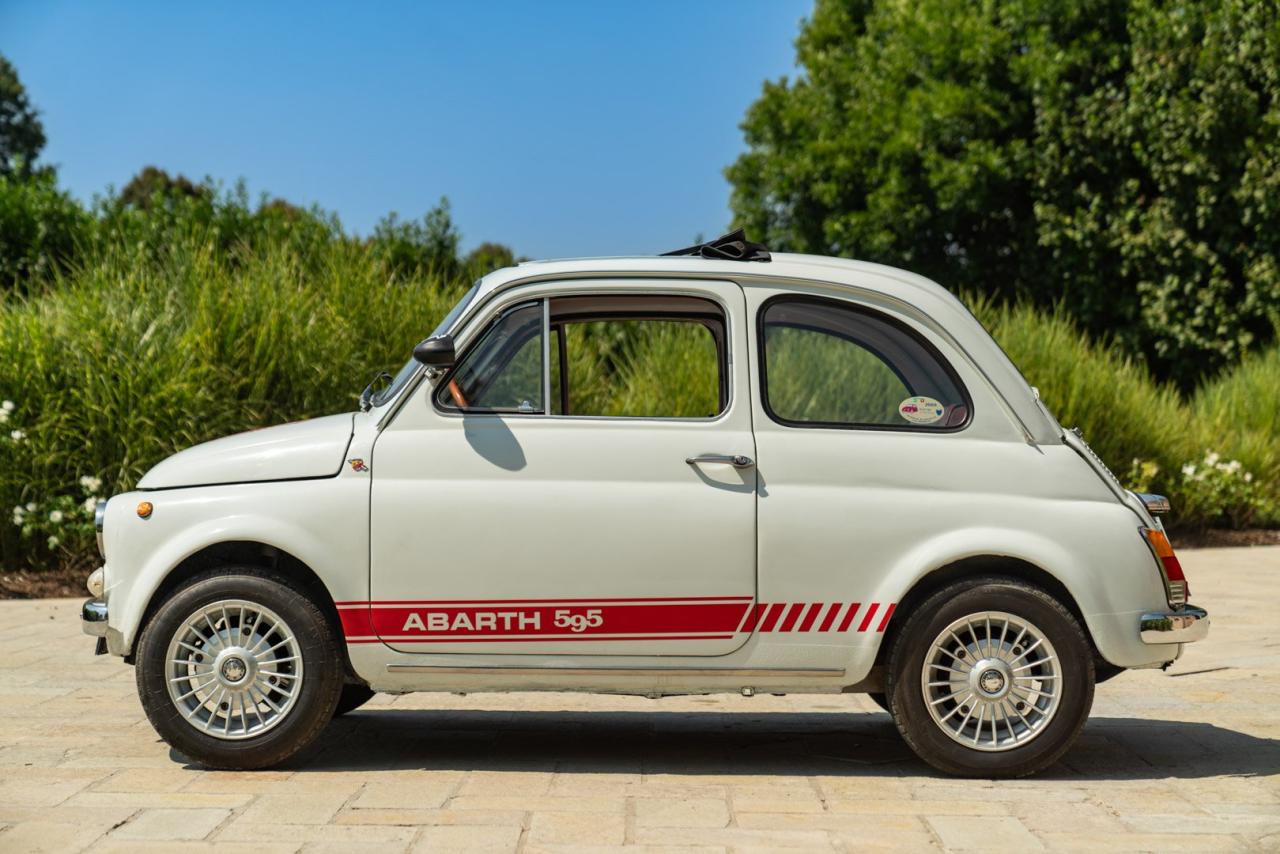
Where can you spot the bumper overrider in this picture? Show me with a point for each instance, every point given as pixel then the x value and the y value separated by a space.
pixel 93 618
pixel 1186 625
pixel 93 622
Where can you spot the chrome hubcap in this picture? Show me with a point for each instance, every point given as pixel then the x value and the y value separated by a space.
pixel 992 681
pixel 234 669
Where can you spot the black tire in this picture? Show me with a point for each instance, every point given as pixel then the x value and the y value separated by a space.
pixel 907 659
pixel 352 698
pixel 321 661
pixel 881 700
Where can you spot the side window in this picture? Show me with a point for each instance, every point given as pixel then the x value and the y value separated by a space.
pixel 640 368
pixel 828 364
pixel 503 371
pixel 614 356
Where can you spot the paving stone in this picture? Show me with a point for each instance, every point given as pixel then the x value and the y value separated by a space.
pixel 983 833
pixel 688 812
pixel 468 838
pixel 169 824
pixel 577 828
pixel 399 795
pixel 39 836
pixel 417 818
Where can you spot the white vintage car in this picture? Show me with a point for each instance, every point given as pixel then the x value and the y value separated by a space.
pixel 717 471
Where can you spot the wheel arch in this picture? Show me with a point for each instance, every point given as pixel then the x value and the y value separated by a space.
pixel 972 566
pixel 248 553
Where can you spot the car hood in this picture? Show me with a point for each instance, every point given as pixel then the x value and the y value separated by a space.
pixel 303 449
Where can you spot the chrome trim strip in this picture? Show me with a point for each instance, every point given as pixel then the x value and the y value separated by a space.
pixel 546 355
pixel 618 671
pixel 1157 505
pixel 93 618
pixel 1186 626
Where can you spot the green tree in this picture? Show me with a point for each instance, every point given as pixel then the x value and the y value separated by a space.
pixel 409 247
pixel 21 132
pixel 1121 157
pixel 154 185
pixel 42 230
pixel 488 257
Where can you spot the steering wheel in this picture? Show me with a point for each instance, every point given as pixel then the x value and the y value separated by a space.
pixel 456 393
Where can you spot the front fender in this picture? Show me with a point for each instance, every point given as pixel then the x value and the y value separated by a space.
pixel 323 524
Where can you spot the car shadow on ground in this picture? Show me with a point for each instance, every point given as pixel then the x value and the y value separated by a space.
pixel 770 743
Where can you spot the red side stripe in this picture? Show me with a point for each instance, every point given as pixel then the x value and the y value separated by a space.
pixel 535 639
pixel 810 617
pixel 477 602
pixel 888 612
pixel 848 616
pixel 866 621
pixel 771 617
pixel 793 614
pixel 833 610
pixel 356 623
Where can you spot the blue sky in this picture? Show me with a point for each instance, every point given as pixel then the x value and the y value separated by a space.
pixel 560 128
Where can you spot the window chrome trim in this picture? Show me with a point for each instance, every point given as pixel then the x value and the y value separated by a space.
pixel 502 307
pixel 546 356
pixel 875 314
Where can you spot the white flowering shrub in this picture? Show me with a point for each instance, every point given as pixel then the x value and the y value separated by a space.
pixel 1211 490
pixel 63 523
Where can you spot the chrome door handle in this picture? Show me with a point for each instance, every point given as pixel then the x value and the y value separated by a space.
pixel 738 461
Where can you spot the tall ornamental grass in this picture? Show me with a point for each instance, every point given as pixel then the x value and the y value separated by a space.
pixel 133 356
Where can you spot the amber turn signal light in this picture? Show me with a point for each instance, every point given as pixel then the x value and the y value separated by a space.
pixel 1175 579
pixel 144 509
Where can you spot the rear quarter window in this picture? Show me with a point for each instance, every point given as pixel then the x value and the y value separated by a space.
pixel 827 363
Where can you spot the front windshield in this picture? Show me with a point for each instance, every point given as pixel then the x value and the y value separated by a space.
pixel 411 367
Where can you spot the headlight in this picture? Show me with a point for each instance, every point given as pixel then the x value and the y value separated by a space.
pixel 99 520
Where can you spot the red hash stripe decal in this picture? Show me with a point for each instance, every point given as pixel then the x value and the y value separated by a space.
pixel 848 616
pixel 871 613
pixel 810 617
pixel 559 621
pixel 793 614
pixel 833 611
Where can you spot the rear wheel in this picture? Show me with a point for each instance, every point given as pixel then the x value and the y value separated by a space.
pixel 990 677
pixel 238 669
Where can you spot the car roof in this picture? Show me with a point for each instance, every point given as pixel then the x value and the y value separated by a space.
pixel 818 268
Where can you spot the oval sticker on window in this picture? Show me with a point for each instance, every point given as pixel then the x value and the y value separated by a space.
pixel 921 410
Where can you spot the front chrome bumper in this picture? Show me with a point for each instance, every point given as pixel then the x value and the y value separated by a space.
pixel 1185 626
pixel 93 618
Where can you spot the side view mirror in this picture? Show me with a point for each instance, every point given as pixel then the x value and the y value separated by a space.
pixel 436 351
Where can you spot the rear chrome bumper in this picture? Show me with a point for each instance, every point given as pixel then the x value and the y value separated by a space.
pixel 1185 626
pixel 93 618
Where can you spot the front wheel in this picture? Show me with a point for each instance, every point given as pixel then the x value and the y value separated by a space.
pixel 239 670
pixel 990 677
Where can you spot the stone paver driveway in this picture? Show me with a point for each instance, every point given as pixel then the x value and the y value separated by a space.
pixel 1183 760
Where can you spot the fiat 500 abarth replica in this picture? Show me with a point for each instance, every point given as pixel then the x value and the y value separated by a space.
pixel 719 471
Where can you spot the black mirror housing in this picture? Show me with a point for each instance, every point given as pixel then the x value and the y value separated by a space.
pixel 436 351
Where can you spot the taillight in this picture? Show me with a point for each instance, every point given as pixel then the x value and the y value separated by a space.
pixel 1175 581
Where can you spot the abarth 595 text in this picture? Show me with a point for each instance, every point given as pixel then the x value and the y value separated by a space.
pixel 716 471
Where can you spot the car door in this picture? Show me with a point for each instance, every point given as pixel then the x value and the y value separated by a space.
pixel 581 482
